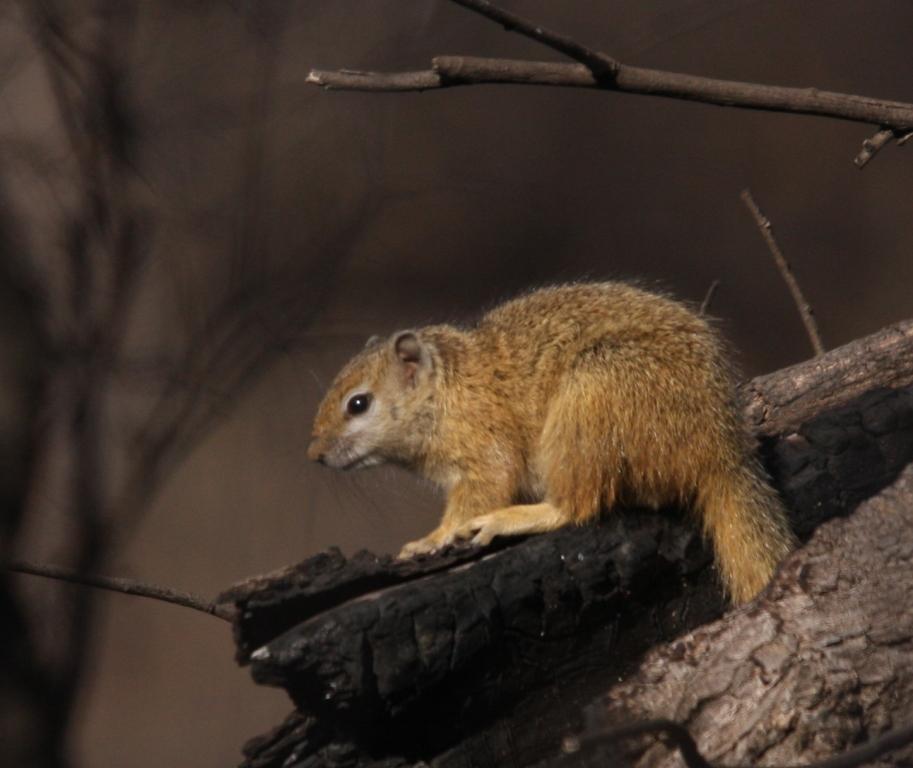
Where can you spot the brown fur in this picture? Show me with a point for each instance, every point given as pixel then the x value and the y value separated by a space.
pixel 576 397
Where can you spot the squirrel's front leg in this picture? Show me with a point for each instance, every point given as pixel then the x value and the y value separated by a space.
pixel 467 499
pixel 518 520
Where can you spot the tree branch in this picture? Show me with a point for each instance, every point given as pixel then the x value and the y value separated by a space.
pixel 708 298
pixel 449 71
pixel 827 643
pixel 872 145
pixel 779 402
pixel 602 66
pixel 805 309
pixel 126 587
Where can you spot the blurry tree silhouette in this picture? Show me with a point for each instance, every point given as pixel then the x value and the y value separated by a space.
pixel 121 411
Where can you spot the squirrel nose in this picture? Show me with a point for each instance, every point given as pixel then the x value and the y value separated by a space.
pixel 315 452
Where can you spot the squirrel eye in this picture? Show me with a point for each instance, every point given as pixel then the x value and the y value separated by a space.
pixel 358 403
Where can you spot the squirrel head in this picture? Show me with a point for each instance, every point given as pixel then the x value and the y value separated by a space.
pixel 372 410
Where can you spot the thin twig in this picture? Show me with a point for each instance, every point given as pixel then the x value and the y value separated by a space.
pixel 708 297
pixel 871 147
pixel 358 80
pixel 805 309
pixel 602 66
pixel 124 586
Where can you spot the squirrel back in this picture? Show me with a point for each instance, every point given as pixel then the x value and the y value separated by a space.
pixel 576 397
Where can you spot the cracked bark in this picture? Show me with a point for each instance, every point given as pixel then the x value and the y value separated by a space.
pixel 822 661
pixel 491 658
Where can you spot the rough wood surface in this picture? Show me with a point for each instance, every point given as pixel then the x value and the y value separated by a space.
pixel 778 402
pixel 416 667
pixel 822 661
pixel 490 658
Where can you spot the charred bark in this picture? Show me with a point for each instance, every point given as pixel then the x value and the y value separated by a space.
pixel 491 657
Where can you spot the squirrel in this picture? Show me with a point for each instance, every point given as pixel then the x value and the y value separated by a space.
pixel 555 405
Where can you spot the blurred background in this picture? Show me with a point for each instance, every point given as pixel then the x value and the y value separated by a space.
pixel 192 241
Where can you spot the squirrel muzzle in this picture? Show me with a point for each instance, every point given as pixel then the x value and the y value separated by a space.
pixel 317 451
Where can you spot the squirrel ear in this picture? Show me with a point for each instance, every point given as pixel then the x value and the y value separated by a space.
pixel 408 347
pixel 372 340
pixel 411 354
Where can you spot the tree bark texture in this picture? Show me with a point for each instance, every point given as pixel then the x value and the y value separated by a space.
pixel 492 657
pixel 823 660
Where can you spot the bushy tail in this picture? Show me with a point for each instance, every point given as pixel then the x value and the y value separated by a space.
pixel 747 523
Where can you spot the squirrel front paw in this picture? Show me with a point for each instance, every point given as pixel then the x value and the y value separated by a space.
pixel 418 547
pixel 430 544
pixel 481 529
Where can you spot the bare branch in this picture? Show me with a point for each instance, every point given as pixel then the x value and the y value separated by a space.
pixel 871 147
pixel 708 297
pixel 451 71
pixel 805 309
pixel 602 66
pixel 125 586
pixel 779 402
pixel 356 80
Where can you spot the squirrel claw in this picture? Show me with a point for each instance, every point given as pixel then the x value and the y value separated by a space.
pixel 429 545
pixel 418 547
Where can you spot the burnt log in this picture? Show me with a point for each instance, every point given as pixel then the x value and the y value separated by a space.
pixel 492 657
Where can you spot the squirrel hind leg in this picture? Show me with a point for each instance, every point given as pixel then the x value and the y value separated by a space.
pixel 578 456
